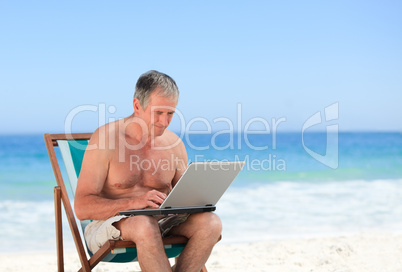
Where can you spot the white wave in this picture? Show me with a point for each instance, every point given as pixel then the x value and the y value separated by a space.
pixel 28 226
pixel 303 209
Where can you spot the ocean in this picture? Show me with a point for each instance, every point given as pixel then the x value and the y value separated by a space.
pixel 292 186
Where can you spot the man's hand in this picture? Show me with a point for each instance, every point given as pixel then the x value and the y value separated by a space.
pixel 152 199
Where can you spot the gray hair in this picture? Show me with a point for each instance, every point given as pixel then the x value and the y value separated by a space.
pixel 148 82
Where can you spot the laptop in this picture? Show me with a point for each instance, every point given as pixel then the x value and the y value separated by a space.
pixel 198 190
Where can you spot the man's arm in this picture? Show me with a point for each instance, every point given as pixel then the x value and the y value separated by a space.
pixel 88 203
pixel 181 162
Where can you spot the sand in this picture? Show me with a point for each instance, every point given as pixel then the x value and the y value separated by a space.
pixel 363 252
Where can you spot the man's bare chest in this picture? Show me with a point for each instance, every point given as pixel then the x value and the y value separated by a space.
pixel 152 169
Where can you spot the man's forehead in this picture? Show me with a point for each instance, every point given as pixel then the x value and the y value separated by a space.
pixel 163 108
pixel 158 102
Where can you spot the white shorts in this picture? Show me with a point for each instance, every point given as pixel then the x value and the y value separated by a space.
pixel 98 232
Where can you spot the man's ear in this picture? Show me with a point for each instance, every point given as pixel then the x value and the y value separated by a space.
pixel 136 105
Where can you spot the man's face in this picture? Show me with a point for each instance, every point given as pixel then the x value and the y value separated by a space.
pixel 158 114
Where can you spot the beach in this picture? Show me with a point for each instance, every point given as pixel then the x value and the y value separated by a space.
pixel 305 94
pixel 365 252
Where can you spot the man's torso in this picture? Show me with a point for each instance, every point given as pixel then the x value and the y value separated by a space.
pixel 135 171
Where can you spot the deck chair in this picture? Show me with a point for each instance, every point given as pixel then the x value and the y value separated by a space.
pixel 72 148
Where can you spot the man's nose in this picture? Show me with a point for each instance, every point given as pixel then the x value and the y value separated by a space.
pixel 164 120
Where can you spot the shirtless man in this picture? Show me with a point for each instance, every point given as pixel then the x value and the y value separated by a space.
pixel 112 179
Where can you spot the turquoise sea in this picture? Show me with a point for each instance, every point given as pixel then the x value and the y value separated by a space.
pixel 282 192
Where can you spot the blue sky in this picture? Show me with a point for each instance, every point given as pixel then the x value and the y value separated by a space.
pixel 277 59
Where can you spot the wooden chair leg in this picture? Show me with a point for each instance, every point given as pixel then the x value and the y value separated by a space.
pixel 59 229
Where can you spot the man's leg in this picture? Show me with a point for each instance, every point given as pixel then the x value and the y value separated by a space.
pixel 203 231
pixel 144 231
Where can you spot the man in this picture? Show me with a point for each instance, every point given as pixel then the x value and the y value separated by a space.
pixel 133 163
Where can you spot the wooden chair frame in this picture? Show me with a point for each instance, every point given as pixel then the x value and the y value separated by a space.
pixel 61 196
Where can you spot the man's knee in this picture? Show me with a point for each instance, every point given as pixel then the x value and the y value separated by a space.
pixel 215 224
pixel 137 228
pixel 210 224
